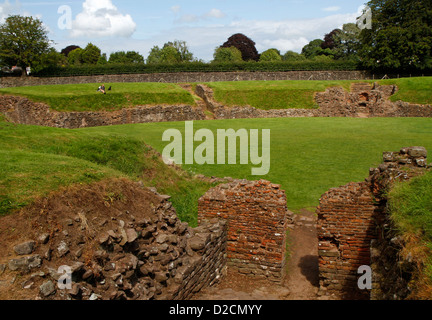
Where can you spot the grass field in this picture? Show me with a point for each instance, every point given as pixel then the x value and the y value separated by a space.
pixel 84 97
pixel 308 155
pixel 259 94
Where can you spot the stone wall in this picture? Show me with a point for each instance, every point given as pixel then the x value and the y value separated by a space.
pixel 23 111
pixel 352 219
pixel 363 101
pixel 256 214
pixel 133 247
pixel 187 77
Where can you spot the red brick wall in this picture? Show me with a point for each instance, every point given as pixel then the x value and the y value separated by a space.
pixel 345 231
pixel 257 214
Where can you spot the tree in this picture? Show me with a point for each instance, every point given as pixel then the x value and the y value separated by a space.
pixel 231 54
pixel 293 56
pixel 75 57
pixel 271 55
pixel 23 40
pixel 401 35
pixel 69 49
pixel 330 40
pixel 167 54
pixel 91 54
pixel 313 49
pixel 347 41
pixel 245 45
pixel 50 59
pixel 182 48
pixel 126 57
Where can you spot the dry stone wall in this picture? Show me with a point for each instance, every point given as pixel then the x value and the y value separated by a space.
pixel 353 231
pixel 257 216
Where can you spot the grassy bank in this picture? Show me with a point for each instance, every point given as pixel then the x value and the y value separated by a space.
pixel 259 94
pixel 84 97
pixel 411 210
pixel 35 161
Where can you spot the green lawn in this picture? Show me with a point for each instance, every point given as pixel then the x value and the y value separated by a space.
pixel 300 94
pixel 308 155
pixel 84 97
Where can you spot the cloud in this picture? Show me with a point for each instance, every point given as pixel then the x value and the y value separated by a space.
pixel 7 9
pixel 100 18
pixel 175 9
pixel 215 13
pixel 332 9
pixel 189 18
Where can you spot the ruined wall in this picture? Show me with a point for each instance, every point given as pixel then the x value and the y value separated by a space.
pixel 23 111
pixel 363 101
pixel 352 219
pixel 187 77
pixel 121 241
pixel 256 215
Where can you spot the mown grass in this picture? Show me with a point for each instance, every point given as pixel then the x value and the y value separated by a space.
pixel 308 155
pixel 300 94
pixel 84 97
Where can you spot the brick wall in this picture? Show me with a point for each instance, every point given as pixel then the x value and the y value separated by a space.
pixel 352 219
pixel 256 215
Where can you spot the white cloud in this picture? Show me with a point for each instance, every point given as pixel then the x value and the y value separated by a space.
pixel 100 18
pixel 7 9
pixel 188 18
pixel 175 9
pixel 215 13
pixel 332 9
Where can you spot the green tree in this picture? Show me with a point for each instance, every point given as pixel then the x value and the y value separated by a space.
pixel 401 35
pixel 293 56
pixel 126 57
pixel 75 57
pixel 231 54
pixel 271 55
pixel 52 58
pixel 182 48
pixel 313 49
pixel 347 41
pixel 23 40
pixel 168 55
pixel 91 54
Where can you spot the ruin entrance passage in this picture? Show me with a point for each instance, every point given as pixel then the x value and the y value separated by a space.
pixel 257 216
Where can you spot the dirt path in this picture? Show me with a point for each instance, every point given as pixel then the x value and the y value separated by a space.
pixel 301 282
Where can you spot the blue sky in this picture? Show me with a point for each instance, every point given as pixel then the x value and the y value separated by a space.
pixel 116 25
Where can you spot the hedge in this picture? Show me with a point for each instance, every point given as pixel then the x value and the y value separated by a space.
pixel 278 66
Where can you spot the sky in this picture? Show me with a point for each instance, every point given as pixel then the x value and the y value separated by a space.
pixel 123 25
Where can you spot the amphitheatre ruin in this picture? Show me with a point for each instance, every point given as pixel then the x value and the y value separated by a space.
pixel 248 244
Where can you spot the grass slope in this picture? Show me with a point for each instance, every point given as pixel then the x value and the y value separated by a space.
pixel 36 160
pixel 84 97
pixel 300 94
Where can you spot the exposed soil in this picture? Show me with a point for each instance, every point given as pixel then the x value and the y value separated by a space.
pixel 301 282
pixel 76 215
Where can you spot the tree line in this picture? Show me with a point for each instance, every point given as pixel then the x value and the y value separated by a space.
pixel 400 38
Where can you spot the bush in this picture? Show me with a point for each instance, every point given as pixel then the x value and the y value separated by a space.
pixel 274 66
